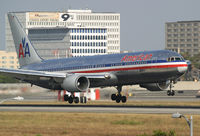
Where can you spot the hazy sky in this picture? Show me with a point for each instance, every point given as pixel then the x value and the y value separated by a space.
pixel 142 21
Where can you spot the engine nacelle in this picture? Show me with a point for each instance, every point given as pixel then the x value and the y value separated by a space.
pixel 75 83
pixel 156 86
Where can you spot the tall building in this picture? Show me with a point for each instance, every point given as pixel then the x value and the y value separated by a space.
pixel 183 37
pixel 69 34
pixel 8 60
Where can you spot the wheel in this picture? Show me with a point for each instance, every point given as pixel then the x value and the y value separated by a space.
pixel 81 99
pixel 76 100
pixel 172 93
pixel 66 97
pixel 118 98
pixel 168 92
pixel 123 99
pixel 113 97
pixel 85 99
pixel 70 99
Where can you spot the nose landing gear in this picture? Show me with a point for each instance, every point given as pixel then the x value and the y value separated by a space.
pixel 170 92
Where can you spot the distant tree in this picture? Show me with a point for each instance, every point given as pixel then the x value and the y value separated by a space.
pixel 195 60
pixel 6 79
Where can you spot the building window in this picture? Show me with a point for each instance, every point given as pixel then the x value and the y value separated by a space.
pixel 182 40
pixel 182 35
pixel 169 40
pixel 182 25
pixel 175 30
pixel 168 45
pixel 175 40
pixel 175 45
pixel 11 57
pixel 168 25
pixel 169 30
pixel 169 35
pixel 195 29
pixel 195 50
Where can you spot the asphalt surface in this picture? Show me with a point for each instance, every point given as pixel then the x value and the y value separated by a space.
pixel 102 109
pixel 141 95
pixel 144 95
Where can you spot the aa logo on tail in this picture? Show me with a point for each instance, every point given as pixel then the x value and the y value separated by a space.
pixel 24 49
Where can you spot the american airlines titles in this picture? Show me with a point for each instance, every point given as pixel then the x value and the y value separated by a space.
pixel 141 57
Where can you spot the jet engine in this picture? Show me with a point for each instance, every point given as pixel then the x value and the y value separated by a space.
pixel 156 86
pixel 75 83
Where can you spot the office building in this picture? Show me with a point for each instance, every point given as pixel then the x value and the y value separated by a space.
pixel 69 33
pixel 183 37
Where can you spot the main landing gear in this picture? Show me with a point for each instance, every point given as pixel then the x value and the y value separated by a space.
pixel 118 97
pixel 170 92
pixel 71 99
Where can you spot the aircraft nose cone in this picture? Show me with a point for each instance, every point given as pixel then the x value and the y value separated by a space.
pixel 182 69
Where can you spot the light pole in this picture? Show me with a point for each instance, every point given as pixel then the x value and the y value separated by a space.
pixel 18 98
pixel 189 122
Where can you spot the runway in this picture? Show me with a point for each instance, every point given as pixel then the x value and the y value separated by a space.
pixel 102 109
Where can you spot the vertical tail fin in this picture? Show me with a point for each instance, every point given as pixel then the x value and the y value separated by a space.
pixel 25 50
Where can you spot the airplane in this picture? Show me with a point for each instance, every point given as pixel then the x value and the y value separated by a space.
pixel 153 70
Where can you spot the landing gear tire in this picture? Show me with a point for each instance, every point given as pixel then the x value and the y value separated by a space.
pixel 171 93
pixel 66 97
pixel 123 98
pixel 168 92
pixel 76 99
pixel 70 100
pixel 113 97
pixel 118 98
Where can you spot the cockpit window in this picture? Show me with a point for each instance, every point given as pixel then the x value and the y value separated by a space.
pixel 174 59
pixel 177 58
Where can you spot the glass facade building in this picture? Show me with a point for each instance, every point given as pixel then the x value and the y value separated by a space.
pixel 69 34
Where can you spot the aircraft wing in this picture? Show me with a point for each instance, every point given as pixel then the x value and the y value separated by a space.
pixel 22 74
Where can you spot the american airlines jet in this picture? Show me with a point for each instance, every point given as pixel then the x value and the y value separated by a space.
pixel 153 70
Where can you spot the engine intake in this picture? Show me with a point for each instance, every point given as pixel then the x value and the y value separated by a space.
pixel 75 83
